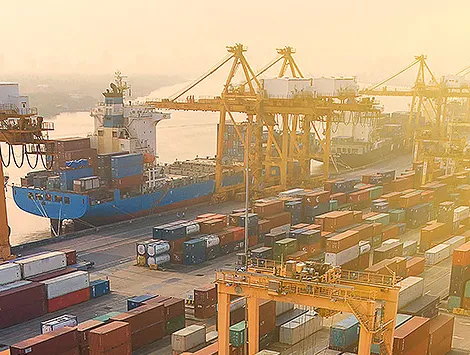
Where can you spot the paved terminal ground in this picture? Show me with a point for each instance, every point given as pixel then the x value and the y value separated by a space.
pixel 112 249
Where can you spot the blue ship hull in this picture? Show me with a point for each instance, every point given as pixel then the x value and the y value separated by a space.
pixel 60 205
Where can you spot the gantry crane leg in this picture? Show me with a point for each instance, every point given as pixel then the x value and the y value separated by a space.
pixel 253 325
pixel 223 322
pixel 5 251
pixel 365 342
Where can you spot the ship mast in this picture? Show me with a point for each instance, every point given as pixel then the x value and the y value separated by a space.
pixel 121 83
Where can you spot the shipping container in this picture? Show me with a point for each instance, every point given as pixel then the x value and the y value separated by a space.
pixel 342 241
pixel 425 306
pixel 344 334
pixel 415 266
pixel 57 342
pixel 238 334
pixel 138 301
pixel 342 257
pixel 437 254
pixel 461 255
pixel 454 243
pixel 188 338
pixel 111 338
pixel 411 289
pixel 441 330
pixel 300 328
pixel 67 300
pixel 83 330
pixel 412 338
pixel 65 284
pixel 42 263
pixel 57 323
pixel 9 273
pixel 99 288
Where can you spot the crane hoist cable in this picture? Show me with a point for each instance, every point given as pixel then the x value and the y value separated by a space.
pixel 12 154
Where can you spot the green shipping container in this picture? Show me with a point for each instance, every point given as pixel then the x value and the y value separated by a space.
pixel 375 192
pixel 377 240
pixel 238 334
pixel 284 247
pixel 175 324
pixel 467 289
pixel 333 205
pixel 454 302
pixel 397 216
pixel 106 317
pixel 383 218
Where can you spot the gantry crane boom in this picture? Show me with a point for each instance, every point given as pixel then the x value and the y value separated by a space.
pixel 372 298
pixel 17 128
pixel 264 114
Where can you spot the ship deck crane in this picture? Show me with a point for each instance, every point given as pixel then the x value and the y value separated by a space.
pixel 372 298
pixel 29 131
pixel 295 117
pixel 429 99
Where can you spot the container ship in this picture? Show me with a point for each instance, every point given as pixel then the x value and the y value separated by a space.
pixel 113 174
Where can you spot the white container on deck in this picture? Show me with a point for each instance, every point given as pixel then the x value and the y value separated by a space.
pixel 291 193
pixel 454 243
pixel 411 289
pixel 300 328
pixel 342 257
pixel 158 248
pixel 188 338
pixel 9 273
pixel 57 323
pixel 41 264
pixel 193 229
pixel 437 254
pixel 62 285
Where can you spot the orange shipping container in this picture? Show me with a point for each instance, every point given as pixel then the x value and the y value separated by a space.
pixel 342 241
pixel 441 329
pixel 415 266
pixel 337 219
pixel 461 255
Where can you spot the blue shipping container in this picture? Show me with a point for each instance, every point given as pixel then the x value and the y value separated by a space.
pixel 194 251
pixel 126 160
pixel 99 288
pixel 67 177
pixel 344 334
pixel 138 301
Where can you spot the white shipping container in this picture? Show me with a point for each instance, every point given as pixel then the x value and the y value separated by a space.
pixel 193 229
pixel 346 86
pixel 299 86
pixel 283 307
pixel 410 247
pixel 454 243
pixel 188 338
pixel 437 254
pixel 342 257
pixel 364 247
pixel 161 259
pixel 324 86
pixel 291 192
pixel 460 213
pixel 211 240
pixel 300 328
pixel 9 273
pixel 41 264
pixel 281 229
pixel 157 248
pixel 391 241
pixel 276 87
pixel 58 323
pixel 411 289
pixel 12 285
pixel 62 285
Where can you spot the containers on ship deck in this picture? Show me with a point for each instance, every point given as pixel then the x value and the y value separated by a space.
pixel 126 165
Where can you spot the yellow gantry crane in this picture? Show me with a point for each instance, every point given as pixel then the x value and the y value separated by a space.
pixel 293 117
pixel 429 100
pixel 29 131
pixel 371 298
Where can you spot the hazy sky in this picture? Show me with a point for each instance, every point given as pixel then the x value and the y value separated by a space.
pixel 362 37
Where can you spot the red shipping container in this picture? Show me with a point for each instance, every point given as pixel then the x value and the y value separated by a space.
pixel 461 255
pixel 264 226
pixel 205 295
pixel 377 228
pixel 206 216
pixel 57 342
pixel 315 198
pixel 142 317
pixel 83 334
pixel 341 197
pixel 415 266
pixel 409 200
pixel 112 338
pixel 177 245
pixel 337 219
pixel 357 216
pixel 174 307
pixel 268 208
pixel 212 349
pixel 301 255
pixel 267 316
pixel 408 337
pixel 359 196
pixel 127 181
pixel 366 231
pixel 68 300
pixel 440 334
pixel 205 312
pixel 342 241
pixel 252 240
pixel 299 226
pixel 63 145
pixel 51 275
pixel 70 256
pixel 427 196
pixel 280 219
pixel 157 300
pixel 221 217
pixel 363 262
pixel 225 237
pixel 148 335
pixel 212 226
pixel 238 233
pixel 368 215
pixel 176 258
pixel 390 232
